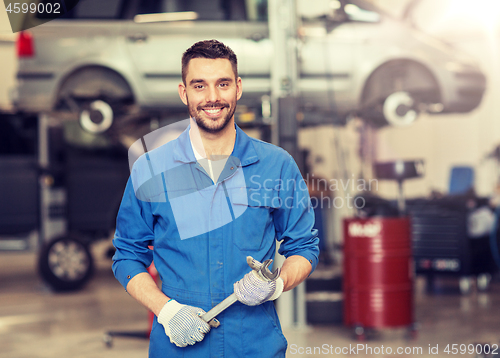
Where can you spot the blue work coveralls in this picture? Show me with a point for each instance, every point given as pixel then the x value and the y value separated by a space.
pixel 203 231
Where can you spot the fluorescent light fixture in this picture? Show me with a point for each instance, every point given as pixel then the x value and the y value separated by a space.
pixel 166 16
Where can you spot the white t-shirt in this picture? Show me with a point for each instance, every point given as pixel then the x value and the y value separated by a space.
pixel 213 167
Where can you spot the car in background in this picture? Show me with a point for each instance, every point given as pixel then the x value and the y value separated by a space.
pixel 121 58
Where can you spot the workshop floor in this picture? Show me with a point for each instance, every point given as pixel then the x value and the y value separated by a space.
pixel 36 323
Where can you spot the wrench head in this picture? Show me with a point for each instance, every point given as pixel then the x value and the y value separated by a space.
pixel 253 263
pixel 266 273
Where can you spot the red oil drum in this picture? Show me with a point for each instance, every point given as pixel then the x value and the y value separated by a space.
pixel 378 272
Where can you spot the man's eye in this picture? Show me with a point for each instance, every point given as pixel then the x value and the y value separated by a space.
pixel 223 84
pixel 198 86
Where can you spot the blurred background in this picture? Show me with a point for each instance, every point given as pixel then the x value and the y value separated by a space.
pixel 389 108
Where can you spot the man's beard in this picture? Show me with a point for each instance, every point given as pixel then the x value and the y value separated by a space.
pixel 208 125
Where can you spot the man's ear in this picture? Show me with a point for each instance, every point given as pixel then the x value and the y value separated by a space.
pixel 239 88
pixel 182 93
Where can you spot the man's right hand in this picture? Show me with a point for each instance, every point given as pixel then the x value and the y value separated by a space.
pixel 182 323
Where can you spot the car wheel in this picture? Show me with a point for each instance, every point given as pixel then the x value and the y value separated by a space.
pixel 65 264
pixel 399 109
pixel 99 96
pixel 96 116
pixel 396 93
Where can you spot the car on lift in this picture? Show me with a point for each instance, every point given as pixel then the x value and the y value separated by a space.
pixel 102 63
pixel 106 62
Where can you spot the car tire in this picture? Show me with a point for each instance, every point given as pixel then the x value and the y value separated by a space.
pixel 96 116
pixel 399 109
pixel 393 94
pixel 66 264
pixel 98 95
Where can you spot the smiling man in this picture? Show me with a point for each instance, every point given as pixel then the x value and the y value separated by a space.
pixel 202 202
pixel 212 97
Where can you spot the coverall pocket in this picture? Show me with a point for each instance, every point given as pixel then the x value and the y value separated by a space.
pixel 255 226
pixel 262 337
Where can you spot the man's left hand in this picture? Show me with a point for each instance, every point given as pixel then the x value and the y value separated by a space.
pixel 252 290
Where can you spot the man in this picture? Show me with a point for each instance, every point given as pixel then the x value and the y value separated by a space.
pixel 206 201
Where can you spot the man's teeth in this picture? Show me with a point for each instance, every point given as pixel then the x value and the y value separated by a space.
pixel 213 111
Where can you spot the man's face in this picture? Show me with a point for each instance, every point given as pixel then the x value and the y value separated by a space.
pixel 211 92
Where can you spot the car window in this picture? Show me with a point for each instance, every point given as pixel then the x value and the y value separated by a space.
pixel 256 10
pixel 94 9
pixel 214 10
pixel 206 10
pixel 98 9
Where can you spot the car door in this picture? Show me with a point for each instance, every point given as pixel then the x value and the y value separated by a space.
pixel 328 59
pixel 255 51
pixel 327 66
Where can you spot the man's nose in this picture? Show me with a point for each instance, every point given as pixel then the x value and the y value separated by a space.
pixel 213 94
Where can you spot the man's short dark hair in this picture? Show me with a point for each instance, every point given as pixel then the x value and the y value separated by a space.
pixel 212 49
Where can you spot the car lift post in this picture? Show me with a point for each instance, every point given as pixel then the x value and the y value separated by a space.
pixel 53 223
pixel 284 73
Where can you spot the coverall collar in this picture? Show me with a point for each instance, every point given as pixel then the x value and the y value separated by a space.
pixel 243 149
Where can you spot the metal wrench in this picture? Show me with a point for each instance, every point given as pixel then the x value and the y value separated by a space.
pixel 264 273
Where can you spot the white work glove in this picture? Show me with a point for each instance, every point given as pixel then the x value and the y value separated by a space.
pixel 252 290
pixel 182 323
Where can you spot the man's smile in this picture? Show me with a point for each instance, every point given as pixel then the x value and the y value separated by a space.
pixel 213 111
